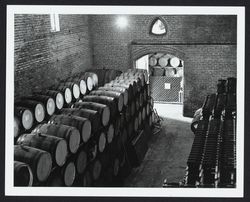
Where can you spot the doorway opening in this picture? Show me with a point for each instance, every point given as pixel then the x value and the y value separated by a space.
pixel 166 80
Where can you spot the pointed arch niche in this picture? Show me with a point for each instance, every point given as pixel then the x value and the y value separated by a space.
pixel 158 27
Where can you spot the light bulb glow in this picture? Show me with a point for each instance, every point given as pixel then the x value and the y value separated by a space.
pixel 122 22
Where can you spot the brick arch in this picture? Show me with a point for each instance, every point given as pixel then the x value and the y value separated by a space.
pixel 140 50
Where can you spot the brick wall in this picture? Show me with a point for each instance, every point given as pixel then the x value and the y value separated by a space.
pixel 43 57
pixel 205 43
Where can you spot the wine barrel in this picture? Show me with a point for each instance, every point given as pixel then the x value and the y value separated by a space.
pixel 110 133
pixel 66 93
pixel 16 126
pixel 81 160
pixel 69 133
pixel 137 82
pixel 100 74
pixel 109 101
pixel 137 103
pixel 147 109
pixel 118 96
pixel 82 124
pixel 102 142
pixel 47 101
pixel 142 78
pixel 94 77
pixel 136 76
pixel 64 176
pixel 25 116
pixel 136 123
pixel 122 120
pixel 80 82
pixel 89 81
pixel 122 90
pixel 92 115
pixel 158 71
pixel 163 61
pixel 174 62
pixel 117 126
pixel 69 173
pixel 128 87
pixel 139 118
pixel 143 72
pixel 36 107
pixel 141 99
pixel 179 72
pixel 39 161
pixel 127 81
pixel 57 147
pixel 95 169
pixel 56 95
pixel 23 175
pixel 74 87
pixel 148 90
pixel 152 61
pixel 143 113
pixel 169 72
pixel 101 108
pixel 150 121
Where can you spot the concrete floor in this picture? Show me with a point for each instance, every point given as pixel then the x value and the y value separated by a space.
pixel 168 150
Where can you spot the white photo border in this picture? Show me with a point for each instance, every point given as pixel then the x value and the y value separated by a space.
pixel 10 190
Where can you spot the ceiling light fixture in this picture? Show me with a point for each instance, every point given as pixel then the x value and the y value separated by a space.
pixel 122 22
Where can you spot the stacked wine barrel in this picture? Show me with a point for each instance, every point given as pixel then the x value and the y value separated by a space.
pixel 105 75
pixel 40 106
pixel 36 156
pixel 83 142
pixel 165 65
pixel 212 160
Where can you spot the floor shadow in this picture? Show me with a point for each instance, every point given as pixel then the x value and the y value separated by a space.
pixel 166 157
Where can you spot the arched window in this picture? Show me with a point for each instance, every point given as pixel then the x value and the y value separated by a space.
pixel 158 27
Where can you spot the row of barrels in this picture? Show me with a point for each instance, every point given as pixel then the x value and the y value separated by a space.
pixel 166 71
pixel 81 141
pixel 105 75
pixel 39 106
pixel 165 61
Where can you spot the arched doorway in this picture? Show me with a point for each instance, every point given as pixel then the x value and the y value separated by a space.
pixel 166 80
pixel 166 76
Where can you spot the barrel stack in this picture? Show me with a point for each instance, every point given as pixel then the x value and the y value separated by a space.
pixel 78 133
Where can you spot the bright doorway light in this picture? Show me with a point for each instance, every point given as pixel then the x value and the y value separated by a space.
pixel 122 22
